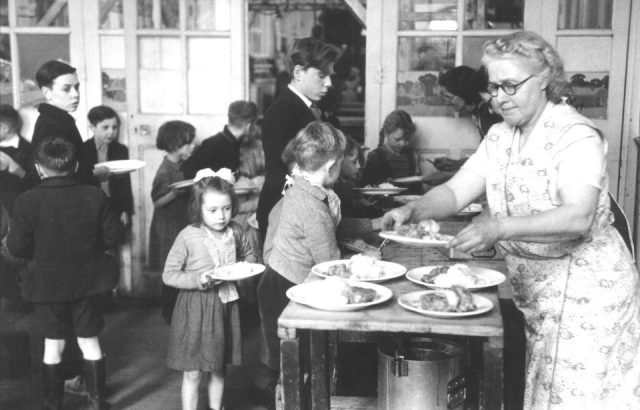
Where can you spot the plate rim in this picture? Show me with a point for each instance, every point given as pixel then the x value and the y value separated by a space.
pixel 384 291
pixel 380 191
pixel 133 164
pixel 435 287
pixel 261 269
pixel 374 280
pixel 186 182
pixel 445 315
pixel 409 179
pixel 392 236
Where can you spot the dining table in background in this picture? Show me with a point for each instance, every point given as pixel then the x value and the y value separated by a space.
pixel 306 380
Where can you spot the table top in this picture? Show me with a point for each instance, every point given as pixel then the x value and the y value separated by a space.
pixel 390 316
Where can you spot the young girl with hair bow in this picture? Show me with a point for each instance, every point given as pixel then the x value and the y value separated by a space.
pixel 205 327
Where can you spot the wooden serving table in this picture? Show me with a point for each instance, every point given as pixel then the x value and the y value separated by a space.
pixel 306 380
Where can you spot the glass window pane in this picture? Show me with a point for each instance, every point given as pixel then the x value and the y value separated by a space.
pixel 428 15
pixel 498 14
pixel 160 75
pixel 112 61
pixel 6 83
pixel 584 14
pixel 165 17
pixel 472 50
pixel 208 15
pixel 589 93
pixel 209 77
pixel 4 13
pixel 42 13
pixel 34 50
pixel 420 60
pixel 110 14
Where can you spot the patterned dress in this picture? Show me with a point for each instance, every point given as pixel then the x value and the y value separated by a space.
pixel 580 298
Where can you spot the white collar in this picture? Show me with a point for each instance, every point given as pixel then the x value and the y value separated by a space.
pixel 12 142
pixel 304 99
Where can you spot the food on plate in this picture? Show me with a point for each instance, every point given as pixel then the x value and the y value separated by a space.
pixel 359 267
pixel 384 185
pixel 458 274
pixel 454 299
pixel 234 269
pixel 427 229
pixel 337 291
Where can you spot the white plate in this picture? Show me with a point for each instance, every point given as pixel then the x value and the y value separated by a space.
pixel 471 209
pixel 408 180
pixel 237 271
pixel 409 301
pixel 244 190
pixel 122 166
pixel 391 235
pixel 300 294
pixel 187 183
pixel 380 191
pixel 491 277
pixel 252 221
pixel 405 199
pixel 349 244
pixel 390 270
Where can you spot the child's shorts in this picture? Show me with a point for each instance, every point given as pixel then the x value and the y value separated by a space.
pixel 79 318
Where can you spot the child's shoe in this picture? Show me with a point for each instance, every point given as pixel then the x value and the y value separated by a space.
pixel 76 386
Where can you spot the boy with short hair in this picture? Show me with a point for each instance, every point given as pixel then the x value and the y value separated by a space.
pixel 104 146
pixel 58 82
pixel 17 173
pixel 302 239
pixel 223 149
pixel 64 229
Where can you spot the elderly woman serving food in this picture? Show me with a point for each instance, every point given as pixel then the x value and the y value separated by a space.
pixel 544 174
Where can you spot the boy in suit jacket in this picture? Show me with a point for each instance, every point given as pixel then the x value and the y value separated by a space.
pixel 63 229
pixel 310 65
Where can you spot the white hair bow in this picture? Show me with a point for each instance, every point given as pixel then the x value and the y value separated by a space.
pixel 223 173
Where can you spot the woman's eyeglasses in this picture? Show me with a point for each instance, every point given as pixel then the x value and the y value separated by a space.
pixel 508 88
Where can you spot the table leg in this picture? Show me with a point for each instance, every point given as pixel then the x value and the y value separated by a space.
pixel 491 388
pixel 290 365
pixel 319 370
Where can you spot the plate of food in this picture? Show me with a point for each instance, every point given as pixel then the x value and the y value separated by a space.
pixel 454 302
pixel 405 199
pixel 337 294
pixel 426 232
pixel 471 209
pixel 382 189
pixel 187 183
pixel 122 166
pixel 408 180
pixel 360 267
pixel 356 245
pixel 442 276
pixel 236 271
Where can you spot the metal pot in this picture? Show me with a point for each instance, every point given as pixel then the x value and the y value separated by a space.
pixel 421 374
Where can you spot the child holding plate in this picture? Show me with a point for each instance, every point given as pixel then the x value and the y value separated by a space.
pixel 304 236
pixel 169 201
pixel 104 146
pixel 393 158
pixel 205 327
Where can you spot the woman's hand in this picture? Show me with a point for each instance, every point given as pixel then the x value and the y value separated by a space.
pixel 480 235
pixel 101 173
pixel 396 217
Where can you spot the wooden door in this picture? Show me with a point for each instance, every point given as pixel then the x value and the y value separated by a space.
pixel 186 60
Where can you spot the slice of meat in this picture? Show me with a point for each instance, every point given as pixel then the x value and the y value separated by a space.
pixel 465 303
pixel 358 294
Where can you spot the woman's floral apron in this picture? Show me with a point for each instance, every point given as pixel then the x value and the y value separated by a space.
pixel 580 298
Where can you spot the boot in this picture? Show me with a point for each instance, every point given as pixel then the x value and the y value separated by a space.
pixel 95 375
pixel 52 386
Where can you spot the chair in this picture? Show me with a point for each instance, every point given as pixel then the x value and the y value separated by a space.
pixel 621 224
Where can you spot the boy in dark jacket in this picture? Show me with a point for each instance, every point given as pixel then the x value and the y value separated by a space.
pixel 64 229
